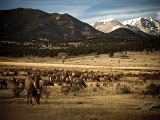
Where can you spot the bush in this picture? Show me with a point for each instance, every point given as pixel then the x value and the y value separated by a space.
pixel 97 85
pixel 153 89
pixel 95 89
pixel 111 54
pixel 61 54
pixel 123 89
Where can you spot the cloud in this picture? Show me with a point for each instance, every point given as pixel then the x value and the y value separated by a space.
pixel 75 11
pixel 158 15
pixel 120 17
pixel 50 2
pixel 121 14
pixel 121 10
pixel 74 7
pixel 91 11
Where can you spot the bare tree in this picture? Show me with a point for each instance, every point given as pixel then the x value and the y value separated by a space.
pixel 63 58
pixel 119 62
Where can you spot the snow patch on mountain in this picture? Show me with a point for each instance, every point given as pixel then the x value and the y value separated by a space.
pixel 108 20
pixel 131 22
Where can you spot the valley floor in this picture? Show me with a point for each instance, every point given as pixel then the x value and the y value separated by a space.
pixel 89 104
pixel 135 59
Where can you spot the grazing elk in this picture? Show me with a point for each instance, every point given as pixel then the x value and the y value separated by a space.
pixel 65 89
pixel 3 84
pixel 33 89
pixel 77 84
pixel 96 78
pixel 46 83
pixel 18 85
pixel 14 81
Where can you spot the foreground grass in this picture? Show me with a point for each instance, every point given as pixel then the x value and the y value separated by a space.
pixel 96 113
pixel 109 107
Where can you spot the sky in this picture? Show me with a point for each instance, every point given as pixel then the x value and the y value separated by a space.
pixel 91 11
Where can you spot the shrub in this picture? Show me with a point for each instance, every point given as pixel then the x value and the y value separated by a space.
pixel 123 89
pixel 61 54
pixel 95 89
pixel 153 89
pixel 97 85
pixel 111 54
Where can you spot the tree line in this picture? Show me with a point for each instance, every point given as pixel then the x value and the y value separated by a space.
pixel 99 46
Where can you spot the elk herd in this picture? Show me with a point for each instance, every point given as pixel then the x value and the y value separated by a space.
pixel 69 80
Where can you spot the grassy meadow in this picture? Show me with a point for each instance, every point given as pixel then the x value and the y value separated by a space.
pixel 98 101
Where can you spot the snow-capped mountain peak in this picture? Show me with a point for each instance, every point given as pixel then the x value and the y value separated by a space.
pixel 146 24
pixel 107 25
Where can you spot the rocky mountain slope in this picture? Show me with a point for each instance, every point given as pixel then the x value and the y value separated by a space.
pixel 30 24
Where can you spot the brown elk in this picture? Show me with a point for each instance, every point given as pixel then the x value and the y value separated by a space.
pixel 77 84
pixel 65 89
pixel 46 83
pixel 33 89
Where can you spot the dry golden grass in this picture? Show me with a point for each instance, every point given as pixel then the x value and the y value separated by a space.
pixel 81 107
pixel 136 60
pixel 91 103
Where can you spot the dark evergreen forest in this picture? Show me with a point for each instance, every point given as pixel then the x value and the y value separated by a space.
pixel 98 46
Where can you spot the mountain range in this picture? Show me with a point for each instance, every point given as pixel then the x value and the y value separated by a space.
pixel 34 24
pixel 142 26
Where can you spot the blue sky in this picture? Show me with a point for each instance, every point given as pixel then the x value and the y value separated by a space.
pixel 90 11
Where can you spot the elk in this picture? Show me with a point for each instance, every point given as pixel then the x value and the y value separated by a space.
pixel 32 88
pixel 3 84
pixel 65 89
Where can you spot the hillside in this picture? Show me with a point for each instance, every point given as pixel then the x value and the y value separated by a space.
pixel 29 32
pixel 122 33
pixel 30 24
